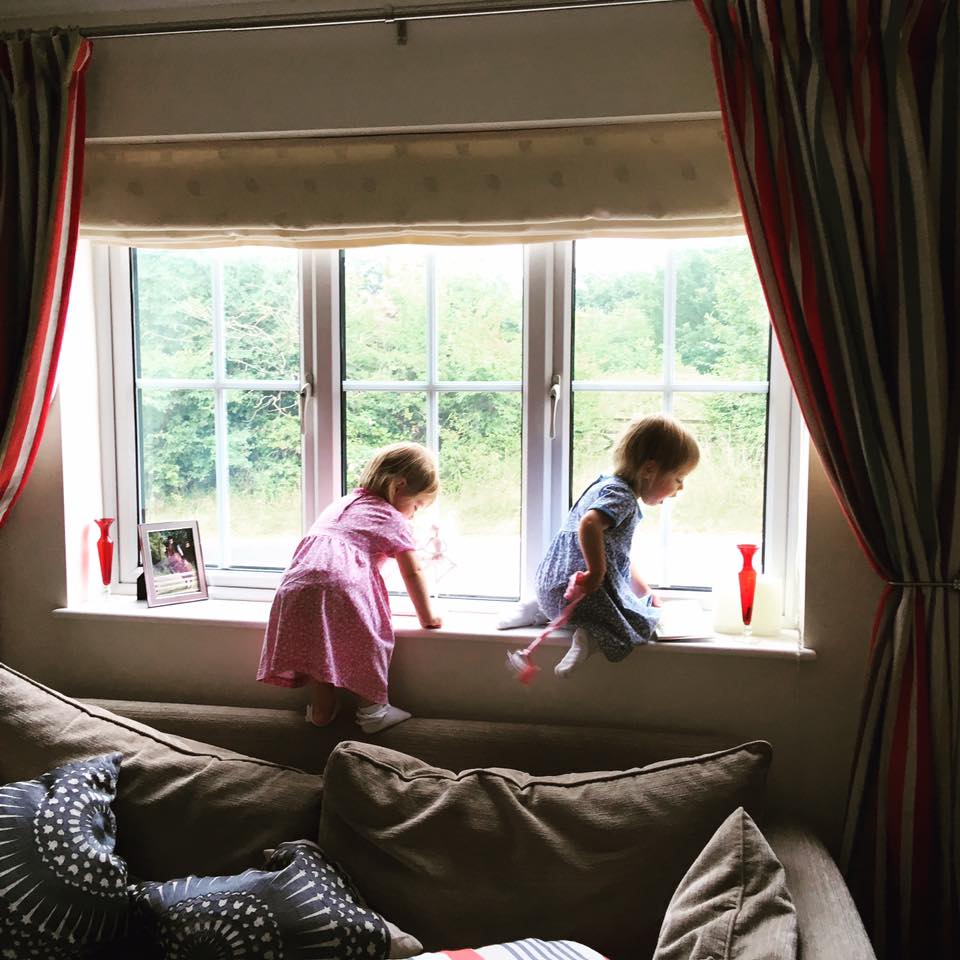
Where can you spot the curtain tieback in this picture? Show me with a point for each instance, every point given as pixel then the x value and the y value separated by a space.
pixel 942 584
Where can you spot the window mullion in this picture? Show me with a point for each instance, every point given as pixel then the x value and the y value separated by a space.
pixel 113 271
pixel 561 327
pixel 546 279
pixel 433 350
pixel 323 434
pixel 220 415
pixel 669 343
pixel 786 489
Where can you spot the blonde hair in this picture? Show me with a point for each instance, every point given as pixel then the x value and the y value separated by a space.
pixel 410 462
pixel 658 438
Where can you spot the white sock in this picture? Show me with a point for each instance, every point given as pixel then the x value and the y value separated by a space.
pixel 524 613
pixel 379 716
pixel 581 648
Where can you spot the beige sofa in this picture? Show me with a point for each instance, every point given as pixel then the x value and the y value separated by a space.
pixel 204 789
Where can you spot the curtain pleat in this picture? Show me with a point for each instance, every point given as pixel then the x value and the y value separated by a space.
pixel 666 178
pixel 842 126
pixel 41 164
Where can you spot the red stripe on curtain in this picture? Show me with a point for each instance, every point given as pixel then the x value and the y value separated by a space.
pixel 462 954
pixel 42 355
pixel 37 363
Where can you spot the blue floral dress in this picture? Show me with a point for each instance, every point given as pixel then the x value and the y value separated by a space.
pixel 614 616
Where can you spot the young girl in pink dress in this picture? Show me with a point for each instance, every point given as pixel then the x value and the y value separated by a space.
pixel 330 623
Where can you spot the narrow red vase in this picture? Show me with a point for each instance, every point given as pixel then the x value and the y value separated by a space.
pixel 748 581
pixel 105 550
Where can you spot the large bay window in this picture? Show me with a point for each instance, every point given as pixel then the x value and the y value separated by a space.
pixel 250 384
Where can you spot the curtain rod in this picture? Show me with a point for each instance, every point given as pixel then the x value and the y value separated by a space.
pixel 385 14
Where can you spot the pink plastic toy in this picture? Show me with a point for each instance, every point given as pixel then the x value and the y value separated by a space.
pixel 519 660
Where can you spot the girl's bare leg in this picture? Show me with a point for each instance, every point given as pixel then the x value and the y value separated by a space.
pixel 323 707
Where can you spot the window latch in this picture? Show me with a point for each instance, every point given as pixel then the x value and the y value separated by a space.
pixel 305 393
pixel 554 405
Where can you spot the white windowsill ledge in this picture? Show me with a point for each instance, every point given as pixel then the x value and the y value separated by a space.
pixel 246 614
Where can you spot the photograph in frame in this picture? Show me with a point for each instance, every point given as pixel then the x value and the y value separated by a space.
pixel 172 562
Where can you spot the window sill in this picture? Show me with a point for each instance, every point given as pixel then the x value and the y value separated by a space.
pixel 480 627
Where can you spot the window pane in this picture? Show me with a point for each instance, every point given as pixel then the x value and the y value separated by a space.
pixel 479 509
pixel 178 463
pixel 723 328
pixel 722 503
pixel 264 455
pixel 385 308
pixel 618 299
pixel 261 305
pixel 377 418
pixel 173 313
pixel 480 312
pixel 598 418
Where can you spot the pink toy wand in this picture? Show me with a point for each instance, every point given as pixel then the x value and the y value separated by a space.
pixel 519 660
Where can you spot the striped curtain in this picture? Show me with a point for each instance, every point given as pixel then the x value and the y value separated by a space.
pixel 41 161
pixel 842 125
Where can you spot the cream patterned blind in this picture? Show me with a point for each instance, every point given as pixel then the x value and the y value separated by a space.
pixel 667 178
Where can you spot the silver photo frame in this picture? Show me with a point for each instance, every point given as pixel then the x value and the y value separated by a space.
pixel 173 569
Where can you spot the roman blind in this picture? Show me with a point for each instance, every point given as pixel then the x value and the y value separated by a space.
pixel 663 178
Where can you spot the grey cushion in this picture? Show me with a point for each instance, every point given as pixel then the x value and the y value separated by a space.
pixel 733 902
pixel 497 855
pixel 181 807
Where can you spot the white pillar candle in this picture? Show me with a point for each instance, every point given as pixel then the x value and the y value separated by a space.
pixel 767 607
pixel 727 616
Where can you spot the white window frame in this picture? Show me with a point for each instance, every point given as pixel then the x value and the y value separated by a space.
pixel 546 392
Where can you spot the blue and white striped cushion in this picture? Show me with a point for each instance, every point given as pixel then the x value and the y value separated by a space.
pixel 520 950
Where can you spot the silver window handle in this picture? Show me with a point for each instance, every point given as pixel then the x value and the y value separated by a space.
pixel 304 394
pixel 554 405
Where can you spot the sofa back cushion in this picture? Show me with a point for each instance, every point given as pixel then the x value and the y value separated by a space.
pixel 497 854
pixel 182 807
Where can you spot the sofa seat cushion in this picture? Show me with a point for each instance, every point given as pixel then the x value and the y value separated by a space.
pixel 497 854
pixel 732 902
pixel 182 807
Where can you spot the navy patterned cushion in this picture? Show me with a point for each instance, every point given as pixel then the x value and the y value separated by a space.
pixel 62 888
pixel 300 907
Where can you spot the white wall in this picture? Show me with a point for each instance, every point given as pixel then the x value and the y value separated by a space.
pixel 546 67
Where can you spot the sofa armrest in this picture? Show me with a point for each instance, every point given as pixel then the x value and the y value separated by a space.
pixel 827 919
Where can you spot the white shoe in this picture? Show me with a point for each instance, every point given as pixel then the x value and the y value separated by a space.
pixel 379 716
pixel 582 647
pixel 524 613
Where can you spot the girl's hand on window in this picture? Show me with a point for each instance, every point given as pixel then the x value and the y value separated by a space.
pixel 431 622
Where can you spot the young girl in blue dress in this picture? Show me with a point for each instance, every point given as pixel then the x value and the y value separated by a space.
pixel 651 460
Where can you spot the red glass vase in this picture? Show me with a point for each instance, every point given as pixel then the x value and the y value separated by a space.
pixel 748 581
pixel 105 550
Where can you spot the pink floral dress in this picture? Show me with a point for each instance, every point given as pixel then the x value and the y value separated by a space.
pixel 330 619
